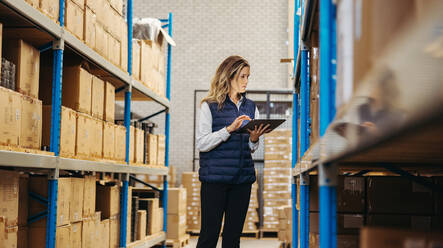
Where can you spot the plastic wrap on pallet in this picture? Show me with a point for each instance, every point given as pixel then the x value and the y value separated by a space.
pixel 149 29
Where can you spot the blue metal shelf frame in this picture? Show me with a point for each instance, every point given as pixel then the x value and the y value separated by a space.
pixel 295 108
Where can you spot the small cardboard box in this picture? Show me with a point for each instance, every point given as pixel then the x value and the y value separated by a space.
pixel 9 193
pixel 76 201
pixel 120 143
pixel 176 201
pixel 109 107
pixel 10 119
pixel 176 226
pixel 27 61
pixel 141 225
pixel 151 156
pixel 77 89
pixel 108 200
pixel 31 123
pixel 108 140
pixel 68 130
pixel 50 8
pixel 76 234
pixel 74 19
pixel 90 21
pixel 97 97
pixel 39 185
pixel 139 145
pixel 89 192
pixel 84 135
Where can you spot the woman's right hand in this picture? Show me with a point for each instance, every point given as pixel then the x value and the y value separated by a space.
pixel 236 124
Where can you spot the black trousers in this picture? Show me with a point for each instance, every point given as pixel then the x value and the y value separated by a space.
pixel 218 200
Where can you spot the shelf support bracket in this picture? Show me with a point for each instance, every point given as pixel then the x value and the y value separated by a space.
pixel 153 115
pixel 133 178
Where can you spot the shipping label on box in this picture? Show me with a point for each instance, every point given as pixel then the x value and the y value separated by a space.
pixel 10 119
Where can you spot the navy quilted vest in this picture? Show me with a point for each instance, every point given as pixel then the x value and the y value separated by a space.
pixel 231 161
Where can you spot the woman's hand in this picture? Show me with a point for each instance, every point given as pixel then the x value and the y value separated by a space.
pixel 236 124
pixel 256 133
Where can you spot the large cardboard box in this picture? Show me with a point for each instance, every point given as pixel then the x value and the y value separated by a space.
pixel 139 145
pixel 108 200
pixel 50 8
pixel 108 140
pixel 398 195
pixel 131 143
pixel 84 139
pixel 120 143
pixel 136 55
pixel 97 97
pixel 104 233
pixel 76 234
pixel 97 138
pixel 76 201
pixel 74 19
pixel 101 40
pixel 90 21
pixel 114 50
pixel 68 129
pixel 114 231
pixel 124 47
pixel 37 237
pixel 141 224
pixel 89 192
pixel 109 107
pixel 8 235
pixel 176 201
pixel 176 226
pixel 10 119
pixel 91 229
pixel 151 143
pixel 31 123
pixel 387 238
pixel 161 146
pixel 9 193
pixel 153 225
pixel 76 90
pixel 39 185
pixel 27 61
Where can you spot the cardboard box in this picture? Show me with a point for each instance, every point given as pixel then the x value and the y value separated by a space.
pixel 151 143
pixel 68 130
pixel 39 185
pixel 108 200
pixel 90 21
pixel 139 145
pixel 31 123
pixel 76 201
pixel 120 143
pixel 37 237
pixel 97 138
pixel 50 8
pixel 141 224
pixel 8 235
pixel 97 97
pixel 176 226
pixel 9 193
pixel 74 19
pixel 27 61
pixel 23 200
pixel 104 233
pixel 277 172
pixel 136 55
pixel 76 234
pixel 101 40
pixel 152 216
pixel 89 230
pixel 77 89
pixel 176 201
pixel 85 137
pixel 109 105
pixel 108 140
pixel 146 63
pixel 387 238
pixel 131 143
pixel 89 192
pixel 114 231
pixel 124 47
pixel 398 195
pixel 10 119
pixel 346 223
pixel 114 50
pixel 161 146
pixel 117 5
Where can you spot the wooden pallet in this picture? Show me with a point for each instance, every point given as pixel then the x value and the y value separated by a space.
pixel 268 234
pixel 250 234
pixel 25 150
pixel 193 232
pixel 180 243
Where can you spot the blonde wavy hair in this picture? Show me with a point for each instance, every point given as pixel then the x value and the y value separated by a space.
pixel 221 82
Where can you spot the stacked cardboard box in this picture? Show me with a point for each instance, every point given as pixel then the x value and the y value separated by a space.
pixel 277 176
pixel 192 184
pixel 285 224
pixel 157 181
pixel 252 217
pixel 176 213
pixel 9 212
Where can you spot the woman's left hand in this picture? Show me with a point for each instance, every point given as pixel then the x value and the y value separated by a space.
pixel 256 133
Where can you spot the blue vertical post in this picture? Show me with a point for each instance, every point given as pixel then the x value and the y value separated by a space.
pixel 294 162
pixel 327 172
pixel 296 33
pixel 127 116
pixel 167 127
pixel 304 210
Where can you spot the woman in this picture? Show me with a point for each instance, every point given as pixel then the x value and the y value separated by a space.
pixel 226 166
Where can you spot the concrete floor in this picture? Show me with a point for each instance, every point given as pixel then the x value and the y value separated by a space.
pixel 253 243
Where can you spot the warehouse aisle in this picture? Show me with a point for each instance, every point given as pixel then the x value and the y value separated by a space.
pixel 244 243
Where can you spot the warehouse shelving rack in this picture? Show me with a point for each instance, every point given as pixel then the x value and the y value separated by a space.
pixel 412 143
pixel 56 37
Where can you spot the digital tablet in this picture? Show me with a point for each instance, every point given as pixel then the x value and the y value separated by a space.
pixel 273 124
